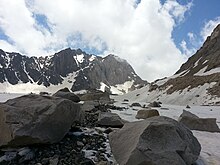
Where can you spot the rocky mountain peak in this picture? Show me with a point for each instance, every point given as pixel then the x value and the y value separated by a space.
pixel 72 68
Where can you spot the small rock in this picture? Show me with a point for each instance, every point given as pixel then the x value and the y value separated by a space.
pixel 79 144
pixel 154 104
pixel 136 104
pixel 54 160
pixel 188 106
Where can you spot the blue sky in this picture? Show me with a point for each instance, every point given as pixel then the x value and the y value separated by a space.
pixel 154 36
pixel 201 12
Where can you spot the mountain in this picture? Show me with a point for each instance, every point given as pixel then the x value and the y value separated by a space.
pixel 74 69
pixel 196 82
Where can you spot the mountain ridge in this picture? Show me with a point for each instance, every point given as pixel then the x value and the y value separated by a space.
pixel 197 82
pixel 75 68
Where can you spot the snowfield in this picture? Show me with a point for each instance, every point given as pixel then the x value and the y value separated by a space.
pixel 210 153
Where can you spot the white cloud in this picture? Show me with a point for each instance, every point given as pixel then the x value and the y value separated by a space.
pixel 186 50
pixel 141 33
pixel 196 41
pixel 176 10
pixel 209 27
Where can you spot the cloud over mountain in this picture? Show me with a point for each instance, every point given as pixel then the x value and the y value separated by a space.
pixel 140 32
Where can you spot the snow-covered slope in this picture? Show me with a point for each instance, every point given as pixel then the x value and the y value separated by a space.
pixel 197 82
pixel 210 154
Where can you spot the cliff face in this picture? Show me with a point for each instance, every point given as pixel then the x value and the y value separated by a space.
pixel 76 68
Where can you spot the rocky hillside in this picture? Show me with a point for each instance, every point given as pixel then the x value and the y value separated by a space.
pixel 196 82
pixel 74 69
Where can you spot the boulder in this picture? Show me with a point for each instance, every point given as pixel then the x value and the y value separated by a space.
pixel 158 140
pixel 155 104
pixel 89 105
pixel 34 119
pixel 193 122
pixel 110 120
pixel 65 93
pixel 95 95
pixel 136 104
pixel 146 113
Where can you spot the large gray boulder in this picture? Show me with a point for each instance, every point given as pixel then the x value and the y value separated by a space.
pixel 155 141
pixel 33 119
pixel 193 122
pixel 146 113
pixel 65 93
pixel 110 120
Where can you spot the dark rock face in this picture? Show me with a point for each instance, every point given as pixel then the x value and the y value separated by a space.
pixel 89 70
pixel 34 119
pixel 154 141
pixel 193 122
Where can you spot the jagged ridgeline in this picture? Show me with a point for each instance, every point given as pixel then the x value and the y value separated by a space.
pixel 74 69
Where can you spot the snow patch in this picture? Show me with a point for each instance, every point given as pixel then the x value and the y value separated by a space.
pixel 212 71
pixel 197 62
pixel 80 58
pixel 92 58
pixel 201 72
pixel 35 88
pixel 121 88
pixel 103 86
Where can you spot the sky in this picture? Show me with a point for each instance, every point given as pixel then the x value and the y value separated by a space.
pixel 154 36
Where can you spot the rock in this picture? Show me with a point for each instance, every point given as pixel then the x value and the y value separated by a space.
pixel 80 144
pixel 162 108
pixel 34 119
pixel 125 100
pixel 95 95
pixel 193 122
pixel 89 105
pixel 44 93
pixel 188 114
pixel 188 106
pixel 146 113
pixel 64 90
pixel 110 119
pixel 154 104
pixel 65 93
pixel 136 104
pixel 155 141
pixel 54 160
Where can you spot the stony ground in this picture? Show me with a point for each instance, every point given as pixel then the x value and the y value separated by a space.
pixel 85 144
